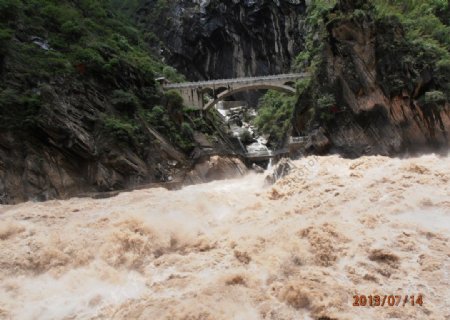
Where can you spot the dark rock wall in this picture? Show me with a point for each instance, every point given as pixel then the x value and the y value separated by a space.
pixel 68 152
pixel 225 39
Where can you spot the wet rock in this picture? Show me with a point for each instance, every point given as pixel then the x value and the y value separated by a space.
pixel 318 142
pixel 257 168
pixel 281 169
pixel 217 168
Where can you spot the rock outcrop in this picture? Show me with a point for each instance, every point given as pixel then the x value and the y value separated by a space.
pixel 69 152
pixel 80 111
pixel 281 169
pixel 224 39
pixel 378 87
pixel 216 168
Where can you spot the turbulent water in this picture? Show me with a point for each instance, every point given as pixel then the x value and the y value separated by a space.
pixel 237 249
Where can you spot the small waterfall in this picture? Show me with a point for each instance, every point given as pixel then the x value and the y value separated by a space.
pixel 242 145
pixel 270 165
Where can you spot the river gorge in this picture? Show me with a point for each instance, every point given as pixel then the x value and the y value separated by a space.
pixel 224 160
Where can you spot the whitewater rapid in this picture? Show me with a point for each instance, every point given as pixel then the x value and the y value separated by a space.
pixel 238 249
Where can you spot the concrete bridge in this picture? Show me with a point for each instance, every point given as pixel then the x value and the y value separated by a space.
pixel 195 93
pixel 263 156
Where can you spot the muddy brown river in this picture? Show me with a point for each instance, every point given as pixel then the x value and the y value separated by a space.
pixel 237 249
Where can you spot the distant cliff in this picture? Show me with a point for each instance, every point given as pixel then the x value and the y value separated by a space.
pixel 223 39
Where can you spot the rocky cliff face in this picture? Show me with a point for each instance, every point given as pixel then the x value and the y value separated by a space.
pixel 79 108
pixel 376 84
pixel 69 152
pixel 76 119
pixel 225 39
pixel 371 93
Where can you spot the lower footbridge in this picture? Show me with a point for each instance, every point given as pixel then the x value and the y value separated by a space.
pixel 267 155
pixel 196 94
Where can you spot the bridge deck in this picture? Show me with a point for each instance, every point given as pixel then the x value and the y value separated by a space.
pixel 258 156
pixel 288 76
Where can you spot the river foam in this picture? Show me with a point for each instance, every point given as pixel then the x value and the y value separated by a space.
pixel 238 249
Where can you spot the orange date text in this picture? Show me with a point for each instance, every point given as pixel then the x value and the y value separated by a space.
pixel 387 300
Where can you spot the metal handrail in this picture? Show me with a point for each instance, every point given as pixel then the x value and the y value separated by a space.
pixel 298 139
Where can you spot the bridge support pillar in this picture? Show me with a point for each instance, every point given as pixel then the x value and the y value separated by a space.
pixel 192 97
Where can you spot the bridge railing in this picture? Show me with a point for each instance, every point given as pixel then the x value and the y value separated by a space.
pixel 294 140
pixel 236 80
pixel 268 153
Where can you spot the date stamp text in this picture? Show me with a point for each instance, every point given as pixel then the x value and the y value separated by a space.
pixel 387 300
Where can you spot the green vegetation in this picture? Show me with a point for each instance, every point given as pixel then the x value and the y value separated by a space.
pixel 88 37
pixel 434 97
pixel 434 100
pixel 246 137
pixel 90 46
pixel 275 114
pixel 160 119
pixel 412 40
pixel 125 101
pixel 173 100
pixel 324 104
pixel 310 57
pixel 422 19
pixel 18 110
pixel 122 129
pixel 427 30
pixel 172 74
pixel 276 111
pixel 187 131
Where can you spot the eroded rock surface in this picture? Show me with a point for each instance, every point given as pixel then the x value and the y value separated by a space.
pixel 216 168
pixel 379 84
pixel 226 39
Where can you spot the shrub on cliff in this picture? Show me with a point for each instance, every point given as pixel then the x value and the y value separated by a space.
pixel 9 9
pixel 246 137
pixel 274 115
pixel 172 74
pixel 89 57
pixel 123 130
pixel 125 101
pixel 173 100
pixel 19 110
pixel 186 130
pixel 160 119
pixel 325 103
pixel 435 97
pixel 73 30
pixel 5 37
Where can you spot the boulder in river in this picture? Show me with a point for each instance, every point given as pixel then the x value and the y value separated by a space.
pixel 257 168
pixel 217 168
pixel 281 169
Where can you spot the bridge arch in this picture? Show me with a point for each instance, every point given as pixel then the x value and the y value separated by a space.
pixel 290 83
pixel 231 91
pixel 193 93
